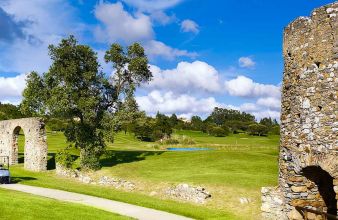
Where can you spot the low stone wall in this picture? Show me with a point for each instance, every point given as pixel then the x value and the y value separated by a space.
pixel 89 179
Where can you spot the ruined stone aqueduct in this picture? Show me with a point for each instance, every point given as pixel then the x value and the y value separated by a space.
pixel 35 149
pixel 308 161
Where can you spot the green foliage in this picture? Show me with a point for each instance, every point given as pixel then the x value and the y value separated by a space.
pixel 162 125
pixel 221 116
pixel 143 129
pixel 258 129
pixel 9 111
pixel 56 124
pixel 74 89
pixel 218 131
pixel 64 158
pixel 196 123
pixel 178 139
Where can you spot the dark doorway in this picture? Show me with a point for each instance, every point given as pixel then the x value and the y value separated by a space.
pixel 324 182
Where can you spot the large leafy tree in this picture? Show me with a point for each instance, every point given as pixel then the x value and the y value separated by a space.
pixel 75 89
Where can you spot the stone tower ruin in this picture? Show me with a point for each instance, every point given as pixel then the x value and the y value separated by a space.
pixel 308 160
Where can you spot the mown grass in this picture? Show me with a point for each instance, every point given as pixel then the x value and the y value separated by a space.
pixel 238 167
pixel 16 206
pixel 50 180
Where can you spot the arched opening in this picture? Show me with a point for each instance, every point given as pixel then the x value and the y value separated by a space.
pixel 18 145
pixel 324 182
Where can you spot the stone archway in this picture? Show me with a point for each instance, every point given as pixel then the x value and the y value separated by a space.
pixel 35 148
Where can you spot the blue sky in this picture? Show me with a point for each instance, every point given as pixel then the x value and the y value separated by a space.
pixel 203 54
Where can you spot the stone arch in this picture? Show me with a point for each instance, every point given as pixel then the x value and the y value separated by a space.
pixel 35 148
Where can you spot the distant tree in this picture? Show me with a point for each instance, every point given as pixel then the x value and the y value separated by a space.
pixel 173 120
pixel 221 116
pixel 9 111
pixel 144 129
pixel 162 124
pixel 126 115
pixel 258 129
pixel 268 122
pixel 196 123
pixel 74 89
pixel 218 132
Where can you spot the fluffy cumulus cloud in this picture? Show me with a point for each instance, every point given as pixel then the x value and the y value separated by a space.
pixel 156 48
pixel 189 26
pixel 198 83
pixel 186 78
pixel 246 62
pixel 117 24
pixel 181 104
pixel 11 88
pixel 245 87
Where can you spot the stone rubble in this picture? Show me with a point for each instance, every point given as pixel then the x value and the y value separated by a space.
pixel 103 180
pixel 189 193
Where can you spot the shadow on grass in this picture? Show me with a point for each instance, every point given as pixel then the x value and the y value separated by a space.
pixel 19 179
pixel 112 157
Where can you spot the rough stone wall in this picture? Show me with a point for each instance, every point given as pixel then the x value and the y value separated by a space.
pixel 35 150
pixel 309 147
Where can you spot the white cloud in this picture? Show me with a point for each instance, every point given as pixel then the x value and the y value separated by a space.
pixel 12 87
pixel 246 87
pixel 266 114
pixel 248 107
pixel 155 49
pixel 186 77
pixel 270 102
pixel 246 62
pixel 189 26
pixel 162 18
pixel 119 25
pixel 168 103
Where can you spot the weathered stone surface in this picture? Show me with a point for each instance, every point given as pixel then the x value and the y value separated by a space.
pixel 298 188
pixel 308 145
pixel 189 193
pixel 35 148
pixel 117 183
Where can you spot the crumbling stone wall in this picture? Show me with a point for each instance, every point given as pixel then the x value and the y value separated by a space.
pixel 35 150
pixel 308 163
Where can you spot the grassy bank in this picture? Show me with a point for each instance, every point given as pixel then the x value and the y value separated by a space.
pixel 238 167
pixel 16 205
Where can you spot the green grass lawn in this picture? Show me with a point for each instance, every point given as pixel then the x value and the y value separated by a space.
pixel 238 167
pixel 16 206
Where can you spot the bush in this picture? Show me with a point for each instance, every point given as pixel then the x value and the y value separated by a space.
pixel 217 132
pixel 258 129
pixel 170 141
pixel 178 139
pixel 64 158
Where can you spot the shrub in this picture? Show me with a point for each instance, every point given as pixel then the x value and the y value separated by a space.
pixel 217 132
pixel 178 139
pixel 258 129
pixel 64 158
